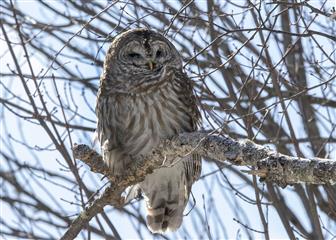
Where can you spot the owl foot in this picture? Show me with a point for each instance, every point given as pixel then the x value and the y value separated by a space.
pixel 117 162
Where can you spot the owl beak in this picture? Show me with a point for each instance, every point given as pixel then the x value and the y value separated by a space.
pixel 151 64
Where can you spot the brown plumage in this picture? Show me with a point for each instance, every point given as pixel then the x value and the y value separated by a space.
pixel 144 96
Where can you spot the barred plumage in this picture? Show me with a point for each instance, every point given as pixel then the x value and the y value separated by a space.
pixel 136 107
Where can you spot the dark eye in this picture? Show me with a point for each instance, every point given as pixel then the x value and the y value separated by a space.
pixel 159 53
pixel 134 55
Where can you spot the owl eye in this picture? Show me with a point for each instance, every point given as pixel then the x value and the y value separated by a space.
pixel 159 53
pixel 134 55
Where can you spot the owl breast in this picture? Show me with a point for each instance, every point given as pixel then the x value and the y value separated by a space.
pixel 134 122
pixel 152 116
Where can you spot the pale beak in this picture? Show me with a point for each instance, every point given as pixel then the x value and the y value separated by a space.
pixel 151 64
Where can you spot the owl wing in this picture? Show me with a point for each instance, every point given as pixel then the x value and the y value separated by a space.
pixel 188 98
pixel 111 130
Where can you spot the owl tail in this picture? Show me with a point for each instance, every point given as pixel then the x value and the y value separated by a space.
pixel 166 192
pixel 166 213
pixel 163 214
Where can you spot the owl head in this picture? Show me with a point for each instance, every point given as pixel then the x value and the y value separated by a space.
pixel 139 55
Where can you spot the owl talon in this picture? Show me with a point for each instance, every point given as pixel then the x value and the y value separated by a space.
pixel 117 162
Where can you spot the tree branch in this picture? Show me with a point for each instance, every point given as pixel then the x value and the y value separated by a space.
pixel 269 165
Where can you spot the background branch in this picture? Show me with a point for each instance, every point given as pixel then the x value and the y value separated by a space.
pixel 262 70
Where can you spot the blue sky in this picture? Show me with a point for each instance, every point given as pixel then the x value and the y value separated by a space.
pixel 15 130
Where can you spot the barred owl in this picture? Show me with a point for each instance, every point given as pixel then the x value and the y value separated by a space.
pixel 144 97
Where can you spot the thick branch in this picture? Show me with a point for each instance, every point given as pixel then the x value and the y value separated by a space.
pixel 269 165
